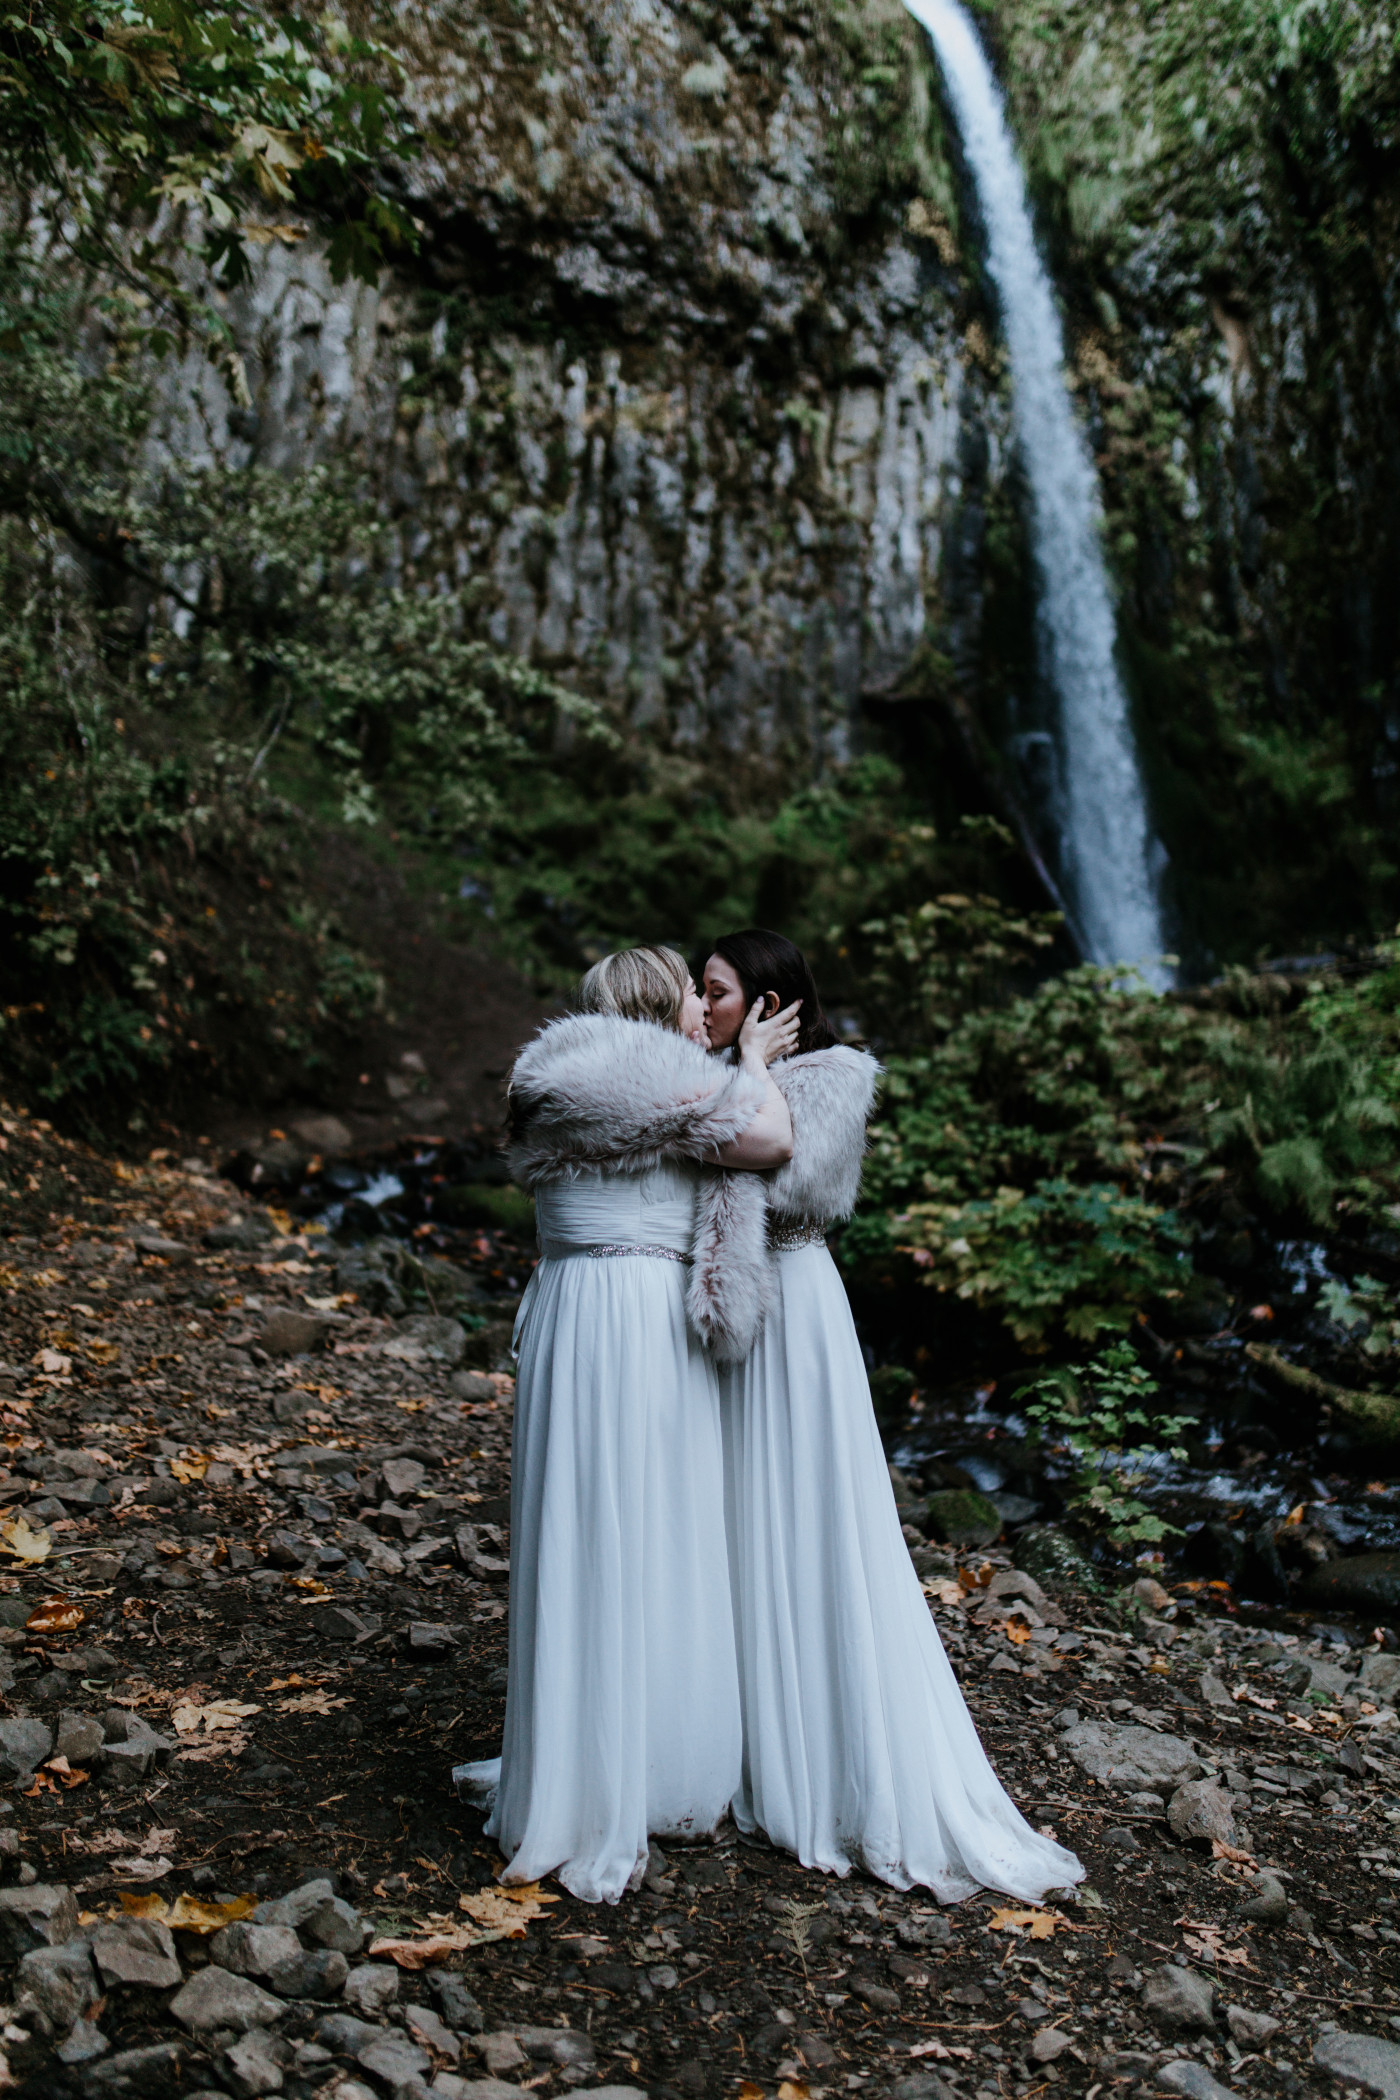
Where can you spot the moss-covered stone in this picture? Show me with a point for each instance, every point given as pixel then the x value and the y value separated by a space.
pixel 1052 1557
pixel 963 1517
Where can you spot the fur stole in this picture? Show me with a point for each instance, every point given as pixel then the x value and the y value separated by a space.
pixel 595 1090
pixel 829 1095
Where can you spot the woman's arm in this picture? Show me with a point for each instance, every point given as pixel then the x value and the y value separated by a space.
pixel 767 1141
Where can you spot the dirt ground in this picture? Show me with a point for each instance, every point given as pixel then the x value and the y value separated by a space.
pixel 292 1567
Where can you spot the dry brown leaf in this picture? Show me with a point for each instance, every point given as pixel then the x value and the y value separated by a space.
pixel 944 1592
pixel 66 1774
pixel 190 1719
pixel 52 1362
pixel 138 1869
pixel 494 1909
pixel 310 1703
pixel 1206 1942
pixel 187 1469
pixel 17 1536
pixel 311 1587
pixel 1220 1850
pixel 532 1892
pixel 1018 1630
pixel 794 2089
pixel 749 2091
pixel 55 1615
pixel 416 1954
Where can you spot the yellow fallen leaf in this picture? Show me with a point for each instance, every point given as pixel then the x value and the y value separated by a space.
pixel 1040 1924
pixel 794 2089
pixel 311 1587
pixel 494 1908
pixel 26 1542
pixel 749 2091
pixel 415 1954
pixel 1018 1630
pixel 187 1469
pixel 944 1592
pixel 1220 1850
pixel 526 1892
pixel 103 1352
pixel 188 1913
pixel 310 1703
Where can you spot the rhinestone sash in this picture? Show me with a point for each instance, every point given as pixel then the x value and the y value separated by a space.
pixel 560 1250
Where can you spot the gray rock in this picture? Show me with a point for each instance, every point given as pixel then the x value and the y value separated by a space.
pixel 289 1333
pixel 1048 2044
pixel 459 2008
pixel 318 1973
pixel 428 1334
pixel 314 1911
pixel 39 1916
pixel 1361 2059
pixel 132 1744
pixel 84 2045
pixel 1199 1812
pixel 500 2052
pixel 1045 1551
pixel 1132 1758
pixel 249 1949
pixel 372 1988
pixel 254 2064
pixel 1123 1839
pixel 1251 2029
pixel 1379 1678
pixel 560 2045
pixel 58 1982
pixel 215 1998
pixel 24 1744
pixel 1146 1804
pixel 141 2074
pixel 404 1476
pixel 79 1739
pixel 1269 1903
pixel 1192 2079
pixel 428 2030
pixel 1214 1690
pixel 346 2035
pixel 241 1235
pixel 921 2085
pixel 394 2061
pixel 1179 2001
pixel 448 2086
pixel 136 1950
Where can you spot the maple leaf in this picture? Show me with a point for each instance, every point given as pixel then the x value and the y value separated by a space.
pixel 26 1542
pixel 1040 1924
pixel 310 1703
pixel 188 1913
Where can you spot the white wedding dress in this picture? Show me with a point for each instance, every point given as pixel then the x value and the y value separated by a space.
pixel 622 1710
pixel 859 1749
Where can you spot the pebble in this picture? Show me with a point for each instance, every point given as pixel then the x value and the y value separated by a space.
pixel 1179 2001
pixel 372 1988
pixel 1199 1812
pixel 1192 2079
pixel 1269 1904
pixel 1251 2029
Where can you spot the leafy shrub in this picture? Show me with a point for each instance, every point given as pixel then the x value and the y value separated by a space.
pixel 1096 1417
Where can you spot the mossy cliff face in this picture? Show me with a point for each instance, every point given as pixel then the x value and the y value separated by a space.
pixel 681 381
pixel 1220 190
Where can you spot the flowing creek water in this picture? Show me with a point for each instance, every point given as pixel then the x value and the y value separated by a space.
pixel 1108 860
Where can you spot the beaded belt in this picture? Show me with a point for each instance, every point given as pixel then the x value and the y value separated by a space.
pixel 559 1250
pixel 783 1239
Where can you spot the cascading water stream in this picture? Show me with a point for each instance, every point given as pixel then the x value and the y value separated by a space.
pixel 1106 843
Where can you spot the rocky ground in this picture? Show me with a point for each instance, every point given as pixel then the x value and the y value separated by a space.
pixel 253 1520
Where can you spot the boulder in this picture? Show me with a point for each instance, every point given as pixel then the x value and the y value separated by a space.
pixel 315 1973
pixel 324 1134
pixel 1178 2001
pixel 79 1739
pixel 1133 1758
pixel 41 1916
pixel 1361 2059
pixel 1363 1582
pixel 136 1950
pixel 459 2007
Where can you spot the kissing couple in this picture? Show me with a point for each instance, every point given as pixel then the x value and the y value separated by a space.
pixel 712 1606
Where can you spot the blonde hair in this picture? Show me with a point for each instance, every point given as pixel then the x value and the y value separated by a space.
pixel 640 984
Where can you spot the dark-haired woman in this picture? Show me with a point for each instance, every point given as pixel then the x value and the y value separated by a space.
pixel 858 1746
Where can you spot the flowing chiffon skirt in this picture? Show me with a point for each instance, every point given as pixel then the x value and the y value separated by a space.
pixel 859 1749
pixel 622 1712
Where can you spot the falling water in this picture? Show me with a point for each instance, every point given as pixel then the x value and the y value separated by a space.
pixel 1106 844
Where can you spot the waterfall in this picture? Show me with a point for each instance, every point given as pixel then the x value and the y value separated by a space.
pixel 1106 845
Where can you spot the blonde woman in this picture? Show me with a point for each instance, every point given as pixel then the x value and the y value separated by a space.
pixel 622 1709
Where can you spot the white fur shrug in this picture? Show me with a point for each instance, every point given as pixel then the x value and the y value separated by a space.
pixel 594 1090
pixel 829 1094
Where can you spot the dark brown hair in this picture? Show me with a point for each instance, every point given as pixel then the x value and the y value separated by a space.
pixel 769 962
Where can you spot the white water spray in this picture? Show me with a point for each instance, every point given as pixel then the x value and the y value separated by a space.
pixel 1106 843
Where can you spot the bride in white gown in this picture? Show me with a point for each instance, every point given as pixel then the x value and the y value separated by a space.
pixel 622 1708
pixel 858 1746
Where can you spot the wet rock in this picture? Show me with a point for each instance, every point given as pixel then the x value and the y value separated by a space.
pixel 372 1988
pixel 38 1916
pixel 1361 2059
pixel 58 1983
pixel 963 1517
pixel 459 2008
pixel 1199 1812
pixel 136 1950
pixel 1192 2079
pixel 215 1998
pixel 288 1333
pixel 1269 1903
pixel 254 2064
pixel 24 1744
pixel 249 1949
pixel 1364 1582
pixel 140 2074
pixel 1133 1758
pixel 1251 2029
pixel 1045 1551
pixel 1179 2001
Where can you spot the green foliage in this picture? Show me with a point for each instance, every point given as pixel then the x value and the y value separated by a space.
pixel 123 106
pixel 1097 1417
pixel 1304 1121
pixel 1368 1313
